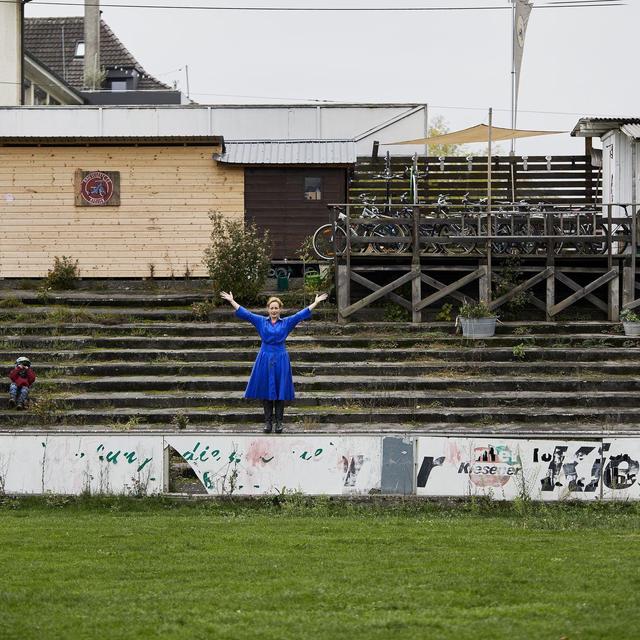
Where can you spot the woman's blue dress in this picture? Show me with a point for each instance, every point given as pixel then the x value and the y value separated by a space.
pixel 271 377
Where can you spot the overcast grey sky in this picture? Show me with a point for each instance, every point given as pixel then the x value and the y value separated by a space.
pixel 576 61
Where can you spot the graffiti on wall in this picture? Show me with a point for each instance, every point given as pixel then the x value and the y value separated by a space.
pixel 329 465
pixel 250 465
pixel 538 469
pixel 75 464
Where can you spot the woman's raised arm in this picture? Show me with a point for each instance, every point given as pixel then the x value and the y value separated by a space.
pixel 319 298
pixel 229 298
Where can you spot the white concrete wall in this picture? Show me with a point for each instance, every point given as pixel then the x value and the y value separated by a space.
pixel 10 53
pixel 249 465
pixel 400 122
pixel 245 464
pixel 75 464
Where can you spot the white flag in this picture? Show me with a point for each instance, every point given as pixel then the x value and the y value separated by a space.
pixel 521 18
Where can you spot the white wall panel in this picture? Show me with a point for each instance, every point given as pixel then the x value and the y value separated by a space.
pixel 73 464
pixel 255 465
pixel 620 470
pixel 507 468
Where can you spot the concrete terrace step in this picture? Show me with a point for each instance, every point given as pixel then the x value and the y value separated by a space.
pixel 92 298
pixel 142 362
pixel 477 416
pixel 227 324
pixel 374 385
pixel 497 429
pixel 389 372
pixel 301 342
pixel 357 399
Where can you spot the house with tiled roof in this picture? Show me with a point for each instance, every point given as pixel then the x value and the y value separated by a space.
pixel 54 68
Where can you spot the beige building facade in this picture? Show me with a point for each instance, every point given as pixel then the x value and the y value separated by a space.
pixel 161 226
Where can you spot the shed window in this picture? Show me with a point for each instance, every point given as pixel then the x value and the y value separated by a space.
pixel 312 188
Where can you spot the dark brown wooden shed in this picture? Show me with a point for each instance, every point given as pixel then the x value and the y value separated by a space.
pixel 288 185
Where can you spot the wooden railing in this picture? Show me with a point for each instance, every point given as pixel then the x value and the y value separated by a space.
pixel 551 237
pixel 554 179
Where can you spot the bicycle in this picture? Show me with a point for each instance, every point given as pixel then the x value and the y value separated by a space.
pixel 444 227
pixel 328 242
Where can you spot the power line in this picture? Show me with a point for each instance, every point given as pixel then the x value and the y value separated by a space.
pixel 285 99
pixel 558 4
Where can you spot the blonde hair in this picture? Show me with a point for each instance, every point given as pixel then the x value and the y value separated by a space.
pixel 274 299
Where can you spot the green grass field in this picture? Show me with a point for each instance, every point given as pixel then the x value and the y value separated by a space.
pixel 124 568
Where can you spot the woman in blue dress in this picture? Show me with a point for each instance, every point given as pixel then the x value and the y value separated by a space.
pixel 271 380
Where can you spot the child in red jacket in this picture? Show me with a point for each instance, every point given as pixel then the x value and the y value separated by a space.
pixel 22 377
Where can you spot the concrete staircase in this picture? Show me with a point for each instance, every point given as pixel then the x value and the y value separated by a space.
pixel 141 362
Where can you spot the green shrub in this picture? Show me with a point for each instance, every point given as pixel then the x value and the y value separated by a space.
pixel 445 314
pixel 63 275
pixel 201 310
pixel 395 313
pixel 475 310
pixel 10 301
pixel 628 315
pixel 519 352
pixel 238 258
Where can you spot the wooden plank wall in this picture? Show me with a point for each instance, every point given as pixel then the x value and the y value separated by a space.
pixel 275 202
pixel 567 179
pixel 167 193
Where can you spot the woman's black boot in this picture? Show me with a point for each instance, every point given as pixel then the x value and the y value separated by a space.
pixel 267 406
pixel 279 415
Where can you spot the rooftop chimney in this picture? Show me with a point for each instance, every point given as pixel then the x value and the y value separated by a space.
pixel 92 79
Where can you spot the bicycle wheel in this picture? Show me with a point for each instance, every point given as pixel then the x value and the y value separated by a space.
pixel 389 230
pixel 501 246
pixel 454 248
pixel 619 241
pixel 426 232
pixel 326 245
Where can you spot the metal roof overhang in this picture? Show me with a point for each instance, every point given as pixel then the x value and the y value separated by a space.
pixel 597 127
pixel 632 130
pixel 289 152
pixel 48 141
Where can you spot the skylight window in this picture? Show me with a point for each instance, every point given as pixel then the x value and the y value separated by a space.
pixel 80 49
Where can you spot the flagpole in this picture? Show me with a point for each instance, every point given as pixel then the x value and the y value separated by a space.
pixel 489 166
pixel 487 292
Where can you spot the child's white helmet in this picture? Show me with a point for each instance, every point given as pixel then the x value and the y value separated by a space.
pixel 23 361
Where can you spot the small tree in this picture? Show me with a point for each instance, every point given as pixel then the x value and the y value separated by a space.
pixel 439 127
pixel 238 258
pixel 63 275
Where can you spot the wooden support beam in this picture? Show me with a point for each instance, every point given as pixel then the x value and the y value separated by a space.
pixel 551 291
pixel 376 295
pixel 454 286
pixel 374 287
pixel 534 300
pixel 539 277
pixel 416 293
pixel 436 284
pixel 592 286
pixel 572 284
pixel 614 298
pixel 632 305
pixel 628 281
pixel 342 293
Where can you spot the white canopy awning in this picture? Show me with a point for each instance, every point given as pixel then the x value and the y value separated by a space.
pixel 478 133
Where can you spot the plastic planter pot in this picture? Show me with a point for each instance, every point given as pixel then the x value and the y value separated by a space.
pixel 631 329
pixel 478 327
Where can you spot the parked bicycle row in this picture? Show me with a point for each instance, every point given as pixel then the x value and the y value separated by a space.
pixel 445 228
